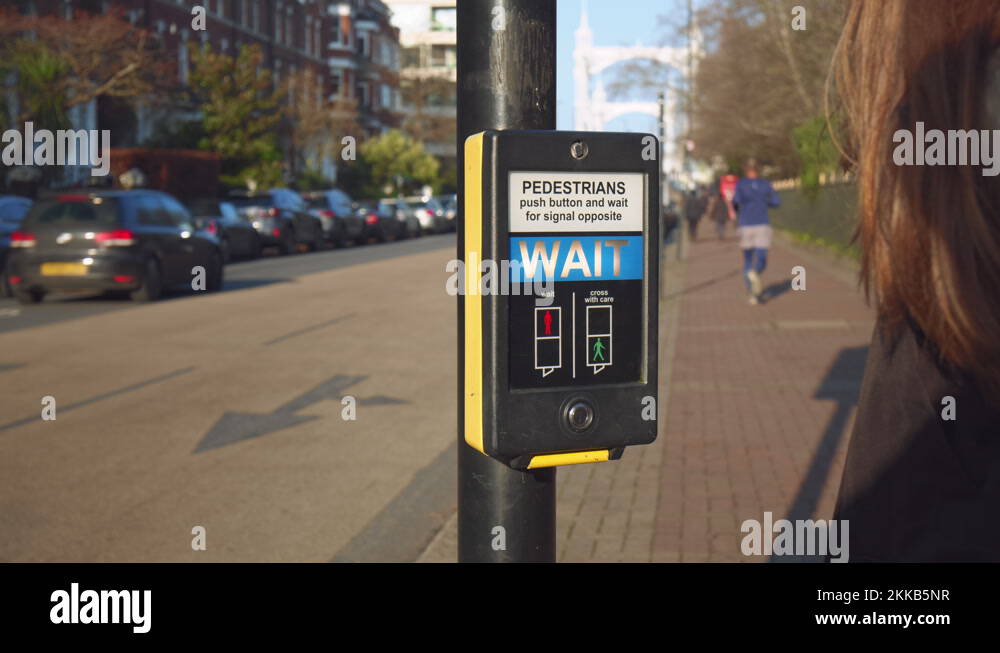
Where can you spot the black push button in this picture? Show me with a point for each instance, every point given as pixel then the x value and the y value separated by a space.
pixel 580 416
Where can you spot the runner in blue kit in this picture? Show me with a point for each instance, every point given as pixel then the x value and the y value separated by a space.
pixel 752 199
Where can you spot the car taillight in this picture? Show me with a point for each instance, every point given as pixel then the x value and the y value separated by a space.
pixel 22 239
pixel 271 213
pixel 212 228
pixel 371 218
pixel 421 213
pixel 277 232
pixel 116 238
pixel 326 213
pixel 73 198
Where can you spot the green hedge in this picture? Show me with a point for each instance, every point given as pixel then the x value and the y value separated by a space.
pixel 825 216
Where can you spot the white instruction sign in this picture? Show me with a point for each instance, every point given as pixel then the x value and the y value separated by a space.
pixel 576 201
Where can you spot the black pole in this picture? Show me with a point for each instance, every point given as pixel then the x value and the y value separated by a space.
pixel 506 80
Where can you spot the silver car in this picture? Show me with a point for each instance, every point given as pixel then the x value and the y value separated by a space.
pixel 430 213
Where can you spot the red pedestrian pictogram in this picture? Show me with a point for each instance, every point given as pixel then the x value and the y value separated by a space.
pixel 548 323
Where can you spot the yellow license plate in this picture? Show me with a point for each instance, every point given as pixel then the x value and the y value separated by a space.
pixel 63 269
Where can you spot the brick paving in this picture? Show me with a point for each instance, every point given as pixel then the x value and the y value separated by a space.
pixel 756 403
pixel 758 412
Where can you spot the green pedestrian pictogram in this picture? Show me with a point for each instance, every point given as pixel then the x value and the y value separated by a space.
pixel 598 350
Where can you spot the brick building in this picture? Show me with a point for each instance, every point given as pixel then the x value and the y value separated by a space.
pixel 348 47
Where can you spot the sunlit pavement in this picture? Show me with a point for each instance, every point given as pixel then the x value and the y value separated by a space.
pixel 226 412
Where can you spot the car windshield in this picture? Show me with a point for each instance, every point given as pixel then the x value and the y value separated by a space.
pixel 204 207
pixel 96 212
pixel 256 200
pixel 317 202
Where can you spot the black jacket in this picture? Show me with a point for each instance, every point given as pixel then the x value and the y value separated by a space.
pixel 918 487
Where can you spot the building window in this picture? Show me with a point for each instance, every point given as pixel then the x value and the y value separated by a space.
pixel 289 24
pixel 444 19
pixel 386 96
pixel 443 56
pixel 362 92
pixel 255 12
pixel 411 57
pixel 363 47
pixel 336 81
pixel 277 25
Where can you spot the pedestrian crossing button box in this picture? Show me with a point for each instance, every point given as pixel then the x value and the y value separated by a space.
pixel 561 250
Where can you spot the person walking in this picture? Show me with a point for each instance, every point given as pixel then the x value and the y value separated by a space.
pixel 921 480
pixel 694 209
pixel 719 210
pixel 752 198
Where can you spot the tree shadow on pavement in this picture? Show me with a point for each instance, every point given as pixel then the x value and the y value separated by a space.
pixel 842 384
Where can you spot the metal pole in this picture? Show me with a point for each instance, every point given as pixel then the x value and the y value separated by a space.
pixel 506 80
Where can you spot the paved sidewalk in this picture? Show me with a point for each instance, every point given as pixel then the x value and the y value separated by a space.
pixel 761 402
pixel 756 407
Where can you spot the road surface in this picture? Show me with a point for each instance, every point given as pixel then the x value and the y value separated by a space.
pixel 226 412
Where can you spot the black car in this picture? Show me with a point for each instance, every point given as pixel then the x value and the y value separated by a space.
pixel 237 237
pixel 406 217
pixel 281 219
pixel 12 210
pixel 140 241
pixel 380 220
pixel 341 224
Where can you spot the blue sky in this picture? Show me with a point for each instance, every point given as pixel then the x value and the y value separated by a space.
pixel 613 22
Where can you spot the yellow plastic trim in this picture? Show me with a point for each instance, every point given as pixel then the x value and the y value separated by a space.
pixel 575 458
pixel 473 221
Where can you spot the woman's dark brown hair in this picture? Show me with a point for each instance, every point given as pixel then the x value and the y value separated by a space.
pixel 930 235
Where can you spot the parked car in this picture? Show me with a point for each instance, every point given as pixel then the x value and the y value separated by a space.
pixel 237 237
pixel 430 213
pixel 341 224
pixel 13 208
pixel 140 241
pixel 450 204
pixel 281 219
pixel 379 220
pixel 406 217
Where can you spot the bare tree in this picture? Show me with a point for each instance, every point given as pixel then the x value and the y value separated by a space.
pixel 316 126
pixel 98 54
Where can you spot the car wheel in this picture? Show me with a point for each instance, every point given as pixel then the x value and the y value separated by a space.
pixel 227 255
pixel 29 296
pixel 152 283
pixel 216 272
